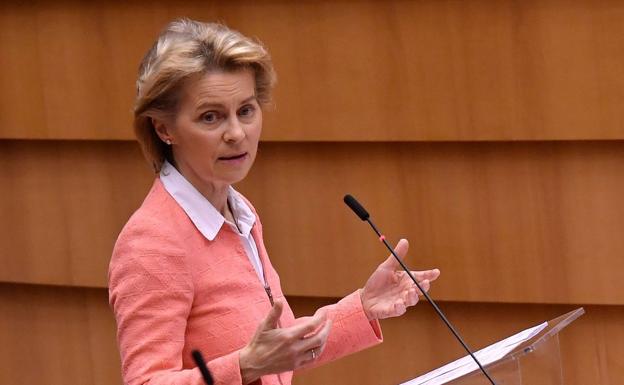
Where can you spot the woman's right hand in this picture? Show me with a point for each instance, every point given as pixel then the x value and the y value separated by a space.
pixel 275 350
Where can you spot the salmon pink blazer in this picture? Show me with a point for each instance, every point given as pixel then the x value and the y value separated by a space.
pixel 172 290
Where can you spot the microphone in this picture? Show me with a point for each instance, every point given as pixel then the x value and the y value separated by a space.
pixel 356 207
pixel 361 212
pixel 201 364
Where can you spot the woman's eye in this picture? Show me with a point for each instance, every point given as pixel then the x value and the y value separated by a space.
pixel 210 117
pixel 247 110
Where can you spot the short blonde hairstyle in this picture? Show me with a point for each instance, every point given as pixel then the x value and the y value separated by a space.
pixel 184 49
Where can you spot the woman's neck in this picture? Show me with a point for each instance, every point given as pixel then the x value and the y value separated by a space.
pixel 216 193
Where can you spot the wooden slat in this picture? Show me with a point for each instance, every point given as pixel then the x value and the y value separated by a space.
pixel 509 222
pixel 55 335
pixel 64 204
pixel 353 70
pixel 515 222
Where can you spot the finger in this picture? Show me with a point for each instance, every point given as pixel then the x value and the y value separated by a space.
pixel 324 335
pixel 425 285
pixel 319 313
pixel 316 342
pixel 399 308
pixel 431 275
pixel 271 320
pixel 307 326
pixel 400 250
pixel 411 296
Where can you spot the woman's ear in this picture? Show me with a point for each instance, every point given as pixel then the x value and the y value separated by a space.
pixel 162 130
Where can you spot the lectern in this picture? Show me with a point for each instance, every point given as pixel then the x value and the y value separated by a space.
pixel 536 361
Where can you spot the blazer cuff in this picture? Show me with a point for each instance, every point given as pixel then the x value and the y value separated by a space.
pixel 225 370
pixel 361 320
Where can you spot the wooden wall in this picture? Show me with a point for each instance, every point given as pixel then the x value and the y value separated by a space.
pixel 489 133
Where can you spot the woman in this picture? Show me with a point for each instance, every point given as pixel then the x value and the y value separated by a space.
pixel 189 269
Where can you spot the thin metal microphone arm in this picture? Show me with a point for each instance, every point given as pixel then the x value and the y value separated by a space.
pixel 382 238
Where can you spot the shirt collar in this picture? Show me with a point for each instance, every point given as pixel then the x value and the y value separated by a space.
pixel 200 211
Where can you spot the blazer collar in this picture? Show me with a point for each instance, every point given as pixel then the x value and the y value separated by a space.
pixel 200 211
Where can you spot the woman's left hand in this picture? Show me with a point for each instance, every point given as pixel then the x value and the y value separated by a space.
pixel 390 291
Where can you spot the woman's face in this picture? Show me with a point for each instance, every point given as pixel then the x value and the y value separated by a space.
pixel 216 130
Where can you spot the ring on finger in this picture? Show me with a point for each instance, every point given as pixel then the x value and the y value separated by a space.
pixel 313 353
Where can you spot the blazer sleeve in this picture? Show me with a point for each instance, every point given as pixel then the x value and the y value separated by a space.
pixel 151 294
pixel 351 330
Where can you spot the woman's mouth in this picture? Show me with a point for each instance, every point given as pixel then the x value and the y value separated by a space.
pixel 233 157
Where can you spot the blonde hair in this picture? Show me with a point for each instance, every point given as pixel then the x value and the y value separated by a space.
pixel 186 48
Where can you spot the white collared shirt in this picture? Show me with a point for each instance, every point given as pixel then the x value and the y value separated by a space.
pixel 209 220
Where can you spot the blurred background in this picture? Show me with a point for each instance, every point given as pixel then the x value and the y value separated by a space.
pixel 488 133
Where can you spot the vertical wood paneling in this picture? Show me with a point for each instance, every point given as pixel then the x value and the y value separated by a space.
pixel 513 224
pixel 484 213
pixel 349 70
pixel 57 335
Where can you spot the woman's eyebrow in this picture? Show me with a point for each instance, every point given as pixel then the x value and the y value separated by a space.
pixel 249 99
pixel 218 104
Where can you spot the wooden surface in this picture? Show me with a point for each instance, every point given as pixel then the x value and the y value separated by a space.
pixel 64 204
pixel 513 222
pixel 505 222
pixel 57 335
pixel 61 335
pixel 350 70
pixel 490 133
pixel 418 342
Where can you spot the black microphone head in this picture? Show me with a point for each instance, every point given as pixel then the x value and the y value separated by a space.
pixel 356 207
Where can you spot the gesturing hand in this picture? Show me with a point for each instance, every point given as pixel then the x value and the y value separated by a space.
pixel 388 292
pixel 273 350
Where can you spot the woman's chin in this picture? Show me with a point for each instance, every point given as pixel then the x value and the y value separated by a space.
pixel 234 176
pixel 235 171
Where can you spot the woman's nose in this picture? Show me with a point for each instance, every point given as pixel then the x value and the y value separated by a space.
pixel 234 131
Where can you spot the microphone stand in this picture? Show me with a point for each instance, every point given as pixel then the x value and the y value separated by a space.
pixel 201 364
pixel 363 214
